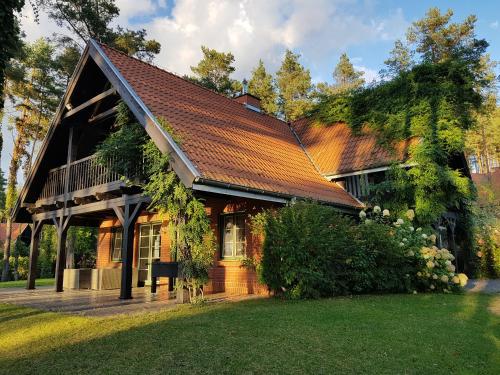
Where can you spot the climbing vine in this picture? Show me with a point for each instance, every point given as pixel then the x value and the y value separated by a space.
pixel 192 239
pixel 432 102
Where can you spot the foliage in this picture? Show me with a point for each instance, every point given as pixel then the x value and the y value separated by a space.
pixel 434 100
pixel 47 252
pixel 124 144
pixel 214 72
pixel 262 86
pixel 345 76
pixel 294 86
pixel 438 40
pixel 400 60
pixel 312 251
pixel 83 243
pixel 483 139
pixel 9 39
pixel 192 240
pixel 94 19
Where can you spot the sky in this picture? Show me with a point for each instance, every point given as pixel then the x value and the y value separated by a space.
pixel 319 30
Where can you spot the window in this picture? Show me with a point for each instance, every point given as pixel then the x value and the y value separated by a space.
pixel 233 235
pixel 116 244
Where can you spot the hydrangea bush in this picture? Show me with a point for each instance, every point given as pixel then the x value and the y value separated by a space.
pixel 432 267
pixel 312 251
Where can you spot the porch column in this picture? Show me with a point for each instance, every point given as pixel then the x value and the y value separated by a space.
pixel 61 225
pixel 36 228
pixel 128 216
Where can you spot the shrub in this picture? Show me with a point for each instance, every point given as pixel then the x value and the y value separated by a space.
pixel 312 251
pixel 303 247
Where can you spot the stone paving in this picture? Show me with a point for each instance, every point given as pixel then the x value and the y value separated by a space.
pixel 483 286
pixel 99 303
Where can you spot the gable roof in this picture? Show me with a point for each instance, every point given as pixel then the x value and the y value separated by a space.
pixel 225 141
pixel 226 148
pixel 335 150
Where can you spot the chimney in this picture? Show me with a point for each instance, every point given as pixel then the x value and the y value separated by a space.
pixel 248 100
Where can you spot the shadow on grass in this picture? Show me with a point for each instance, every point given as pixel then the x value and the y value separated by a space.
pixel 369 334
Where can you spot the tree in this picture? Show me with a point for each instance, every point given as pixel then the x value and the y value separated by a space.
pixel 9 39
pixel 483 140
pixel 92 19
pixel 214 72
pixel 35 97
pixel 400 60
pixel 294 86
pixel 261 85
pixel 345 76
pixel 436 39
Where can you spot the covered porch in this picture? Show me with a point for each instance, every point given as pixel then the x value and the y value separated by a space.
pixel 101 302
pixel 125 208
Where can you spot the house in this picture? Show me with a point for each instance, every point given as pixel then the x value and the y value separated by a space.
pixel 355 161
pixel 234 157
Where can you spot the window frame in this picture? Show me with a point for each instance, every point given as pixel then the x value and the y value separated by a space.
pixel 222 218
pixel 114 232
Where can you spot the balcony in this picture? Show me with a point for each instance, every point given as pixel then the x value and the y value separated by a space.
pixel 86 177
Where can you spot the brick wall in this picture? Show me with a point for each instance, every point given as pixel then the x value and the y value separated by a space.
pixel 226 275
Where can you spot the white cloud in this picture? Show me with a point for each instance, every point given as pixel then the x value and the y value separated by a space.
pixel 369 75
pixel 494 25
pixel 318 29
pixel 264 29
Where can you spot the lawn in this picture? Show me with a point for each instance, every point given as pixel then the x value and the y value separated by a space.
pixel 22 283
pixel 403 334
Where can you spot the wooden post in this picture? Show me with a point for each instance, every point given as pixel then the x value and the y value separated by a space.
pixel 36 228
pixel 61 225
pixel 127 216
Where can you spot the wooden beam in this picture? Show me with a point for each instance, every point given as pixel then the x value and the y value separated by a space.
pixel 92 207
pixel 89 102
pixel 103 115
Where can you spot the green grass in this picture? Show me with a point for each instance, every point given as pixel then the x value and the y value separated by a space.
pixel 397 334
pixel 22 283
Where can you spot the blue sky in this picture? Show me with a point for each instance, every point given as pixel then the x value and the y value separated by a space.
pixel 320 30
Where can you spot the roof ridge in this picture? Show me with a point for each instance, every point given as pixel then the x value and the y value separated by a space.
pixel 184 79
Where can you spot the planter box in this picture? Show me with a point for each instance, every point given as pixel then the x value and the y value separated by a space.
pixel 77 278
pixel 96 279
pixel 110 278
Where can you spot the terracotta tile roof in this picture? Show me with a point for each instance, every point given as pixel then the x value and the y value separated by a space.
pixel 334 149
pixel 17 229
pixel 224 140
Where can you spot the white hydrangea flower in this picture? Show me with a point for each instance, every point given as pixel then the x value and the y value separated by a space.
pixel 362 215
pixel 386 212
pixel 376 209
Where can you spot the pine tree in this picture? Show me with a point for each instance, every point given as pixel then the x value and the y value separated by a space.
pixel 400 60
pixel 214 72
pixel 35 94
pixel 345 76
pixel 88 19
pixel 294 85
pixel 437 39
pixel 261 85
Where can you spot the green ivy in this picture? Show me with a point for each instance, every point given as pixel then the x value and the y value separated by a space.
pixel 192 239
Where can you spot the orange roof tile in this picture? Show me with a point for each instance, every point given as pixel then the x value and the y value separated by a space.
pixel 224 140
pixel 336 150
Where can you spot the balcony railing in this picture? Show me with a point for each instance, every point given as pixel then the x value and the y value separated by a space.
pixel 83 174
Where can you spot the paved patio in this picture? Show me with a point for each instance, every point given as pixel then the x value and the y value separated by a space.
pixel 483 286
pixel 99 303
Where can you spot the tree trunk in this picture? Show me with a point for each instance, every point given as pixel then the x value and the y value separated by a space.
pixel 17 152
pixel 6 251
